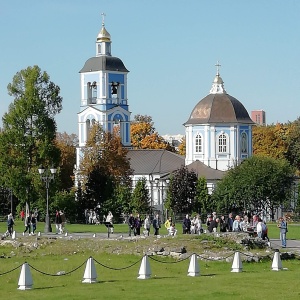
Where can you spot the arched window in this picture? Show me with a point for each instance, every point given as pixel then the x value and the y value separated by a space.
pixel 244 143
pixel 222 143
pixel 198 143
pixel 88 128
pixel 89 92
pixel 94 92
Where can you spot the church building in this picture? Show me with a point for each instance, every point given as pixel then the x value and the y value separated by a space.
pixel 218 131
pixel 103 82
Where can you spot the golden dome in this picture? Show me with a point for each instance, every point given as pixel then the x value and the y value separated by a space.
pixel 218 79
pixel 103 35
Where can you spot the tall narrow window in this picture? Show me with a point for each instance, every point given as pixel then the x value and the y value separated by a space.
pixel 88 128
pixel 198 143
pixel 244 144
pixel 89 92
pixel 94 92
pixel 222 143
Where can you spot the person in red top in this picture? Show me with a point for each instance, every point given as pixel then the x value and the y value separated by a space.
pixel 22 215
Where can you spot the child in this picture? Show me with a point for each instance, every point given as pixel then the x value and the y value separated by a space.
pixel 172 230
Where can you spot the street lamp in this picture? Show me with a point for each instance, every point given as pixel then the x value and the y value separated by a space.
pixel 47 175
pixel 160 184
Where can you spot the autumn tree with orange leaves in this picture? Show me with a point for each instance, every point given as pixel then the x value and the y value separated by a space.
pixel 144 135
pixel 66 143
pixel 104 167
pixel 271 140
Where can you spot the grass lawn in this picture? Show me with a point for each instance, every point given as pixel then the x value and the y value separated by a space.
pixel 169 280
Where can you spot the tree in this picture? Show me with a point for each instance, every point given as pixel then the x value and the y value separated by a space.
pixel 293 140
pixel 66 143
pixel 104 166
pixel 29 127
pixel 140 197
pixel 259 183
pixel 202 203
pixel 270 140
pixel 181 194
pixel 182 147
pixel 144 136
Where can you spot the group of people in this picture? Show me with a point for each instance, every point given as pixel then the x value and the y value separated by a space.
pixel 251 224
pixel 30 222
pixel 193 225
pixel 92 217
pixel 136 223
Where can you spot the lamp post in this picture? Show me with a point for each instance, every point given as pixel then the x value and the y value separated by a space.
pixel 11 201
pixel 47 175
pixel 161 183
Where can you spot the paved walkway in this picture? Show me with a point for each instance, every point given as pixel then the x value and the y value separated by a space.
pixel 290 244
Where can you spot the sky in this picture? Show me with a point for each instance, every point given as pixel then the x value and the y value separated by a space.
pixel 170 47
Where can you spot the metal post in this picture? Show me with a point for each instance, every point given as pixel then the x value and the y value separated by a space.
pixel 11 201
pixel 49 175
pixel 48 227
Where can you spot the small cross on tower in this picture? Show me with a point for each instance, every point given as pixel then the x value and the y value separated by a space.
pixel 103 18
pixel 218 67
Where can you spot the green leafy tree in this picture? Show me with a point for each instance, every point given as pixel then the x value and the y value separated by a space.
pixel 181 194
pixel 202 203
pixel 257 183
pixel 27 138
pixel 140 197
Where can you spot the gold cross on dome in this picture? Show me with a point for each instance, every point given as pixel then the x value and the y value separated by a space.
pixel 103 18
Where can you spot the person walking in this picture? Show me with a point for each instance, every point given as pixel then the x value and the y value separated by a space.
pixel 131 224
pixel 186 225
pixel 229 222
pixel 156 225
pixel 147 225
pixel 22 215
pixel 10 224
pixel 63 220
pixel 223 224
pixel 138 224
pixel 109 219
pixel 27 224
pixel 33 223
pixel 282 225
pixel 58 222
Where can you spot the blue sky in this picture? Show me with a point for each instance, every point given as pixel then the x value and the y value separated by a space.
pixel 170 47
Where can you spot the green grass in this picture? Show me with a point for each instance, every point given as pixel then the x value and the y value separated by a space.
pixel 168 280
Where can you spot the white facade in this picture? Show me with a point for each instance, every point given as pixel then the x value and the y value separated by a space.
pixel 217 140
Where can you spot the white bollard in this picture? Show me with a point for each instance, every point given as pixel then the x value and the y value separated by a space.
pixel 39 233
pixel 145 270
pixel 14 236
pixel 237 265
pixel 276 264
pixel 25 279
pixel 194 269
pixel 90 274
